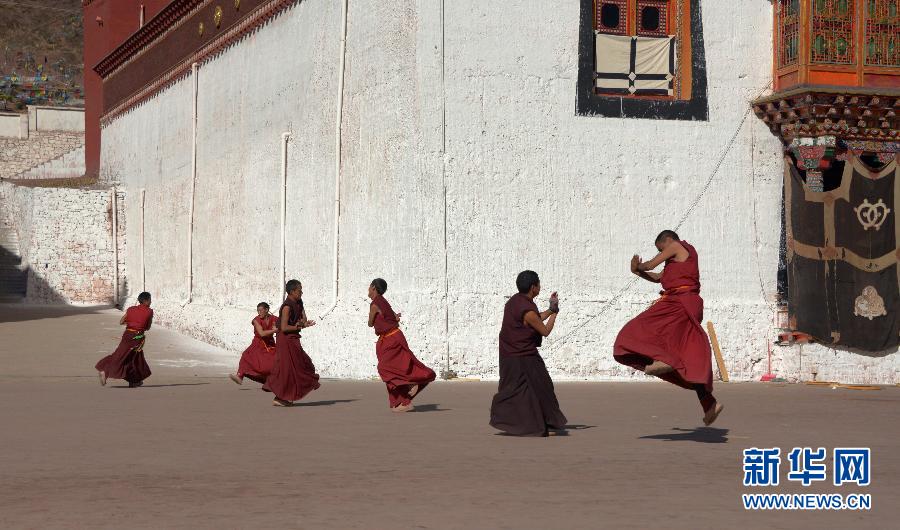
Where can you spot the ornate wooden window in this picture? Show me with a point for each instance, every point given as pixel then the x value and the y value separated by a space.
pixel 636 51
pixel 612 17
pixel 882 44
pixel 644 18
pixel 788 32
pixel 652 18
pixel 642 59
pixel 849 43
pixel 833 26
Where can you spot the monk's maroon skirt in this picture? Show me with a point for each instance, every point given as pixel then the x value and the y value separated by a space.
pixel 128 361
pixel 525 403
pixel 399 368
pixel 669 331
pixel 257 361
pixel 293 374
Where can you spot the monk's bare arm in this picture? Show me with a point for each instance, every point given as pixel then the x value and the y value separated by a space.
pixel 660 258
pixel 285 317
pixel 534 320
pixel 262 332
pixel 636 270
pixel 650 276
pixel 373 310
pixel 546 314
pixel 305 322
pixel 122 320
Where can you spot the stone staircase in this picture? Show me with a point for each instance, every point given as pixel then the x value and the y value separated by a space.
pixel 65 166
pixel 12 276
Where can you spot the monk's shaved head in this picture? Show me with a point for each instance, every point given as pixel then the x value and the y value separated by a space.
pixel 291 285
pixel 525 280
pixel 666 234
pixel 379 285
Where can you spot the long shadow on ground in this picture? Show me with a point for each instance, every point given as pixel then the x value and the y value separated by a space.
pixel 160 386
pixel 322 403
pixel 708 435
pixel 429 407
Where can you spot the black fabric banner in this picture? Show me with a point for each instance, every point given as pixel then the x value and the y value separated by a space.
pixel 843 279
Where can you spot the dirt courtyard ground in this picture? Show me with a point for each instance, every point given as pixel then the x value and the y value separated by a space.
pixel 191 449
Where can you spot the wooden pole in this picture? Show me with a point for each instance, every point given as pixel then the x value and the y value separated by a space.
pixel 723 372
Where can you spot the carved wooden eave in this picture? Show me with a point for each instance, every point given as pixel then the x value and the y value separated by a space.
pixel 163 51
pixel 847 113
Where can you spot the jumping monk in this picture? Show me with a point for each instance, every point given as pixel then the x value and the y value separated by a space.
pixel 128 361
pixel 667 339
pixel 256 361
pixel 525 403
pixel 404 375
pixel 293 374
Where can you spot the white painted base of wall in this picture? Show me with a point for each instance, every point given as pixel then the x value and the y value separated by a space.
pixel 577 359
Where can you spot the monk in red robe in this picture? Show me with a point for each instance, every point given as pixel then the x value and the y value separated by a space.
pixel 293 374
pixel 404 375
pixel 667 340
pixel 257 360
pixel 128 361
pixel 525 403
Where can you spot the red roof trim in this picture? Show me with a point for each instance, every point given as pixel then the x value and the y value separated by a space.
pixel 152 31
pixel 262 15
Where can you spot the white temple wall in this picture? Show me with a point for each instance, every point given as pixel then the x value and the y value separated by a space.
pixel 528 185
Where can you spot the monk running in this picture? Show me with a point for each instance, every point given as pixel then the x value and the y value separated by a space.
pixel 256 361
pixel 525 403
pixel 128 361
pixel 667 339
pixel 404 375
pixel 293 374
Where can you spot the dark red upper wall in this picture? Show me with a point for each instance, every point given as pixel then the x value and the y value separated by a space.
pixel 107 24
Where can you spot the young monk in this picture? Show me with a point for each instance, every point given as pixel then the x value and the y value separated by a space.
pixel 128 361
pixel 525 403
pixel 256 361
pixel 667 340
pixel 293 374
pixel 404 375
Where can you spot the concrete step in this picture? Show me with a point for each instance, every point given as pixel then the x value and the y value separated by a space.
pixel 11 299
pixel 13 279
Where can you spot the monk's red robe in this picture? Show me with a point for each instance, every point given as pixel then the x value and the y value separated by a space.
pixel 525 403
pixel 397 365
pixel 257 360
pixel 670 330
pixel 293 373
pixel 128 361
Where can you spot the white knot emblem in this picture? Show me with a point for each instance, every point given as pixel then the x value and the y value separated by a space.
pixel 872 215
